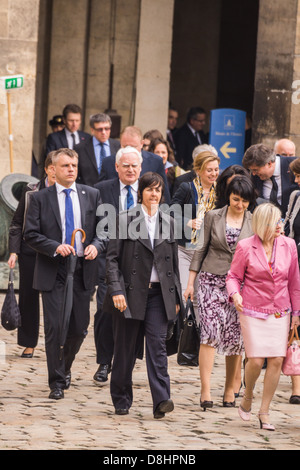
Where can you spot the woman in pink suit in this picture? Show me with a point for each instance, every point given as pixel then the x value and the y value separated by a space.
pixel 264 284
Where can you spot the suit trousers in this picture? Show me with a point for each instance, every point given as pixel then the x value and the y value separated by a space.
pixel 78 325
pixel 103 332
pixel 28 332
pixel 127 334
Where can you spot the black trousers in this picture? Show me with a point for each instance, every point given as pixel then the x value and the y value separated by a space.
pixel 103 332
pixel 28 333
pixel 126 335
pixel 77 331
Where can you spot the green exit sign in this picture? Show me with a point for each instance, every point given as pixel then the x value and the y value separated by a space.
pixel 11 82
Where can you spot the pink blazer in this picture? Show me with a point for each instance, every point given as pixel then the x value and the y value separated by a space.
pixel 263 291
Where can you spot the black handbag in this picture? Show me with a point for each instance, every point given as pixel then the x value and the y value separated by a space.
pixel 189 341
pixel 10 313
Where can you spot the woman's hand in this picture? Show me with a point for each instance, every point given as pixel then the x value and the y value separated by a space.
pixel 119 302
pixel 189 292
pixel 12 260
pixel 195 223
pixel 177 308
pixel 295 322
pixel 238 302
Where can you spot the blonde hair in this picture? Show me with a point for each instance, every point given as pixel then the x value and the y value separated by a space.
pixel 202 159
pixel 264 220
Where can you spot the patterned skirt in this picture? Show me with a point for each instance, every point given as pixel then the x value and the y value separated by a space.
pixel 219 320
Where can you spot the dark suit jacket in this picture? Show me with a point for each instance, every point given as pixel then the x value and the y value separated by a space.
pixel 185 142
pixel 43 232
pixel 58 140
pixel 185 178
pixel 151 162
pixel 288 184
pixel 87 165
pixel 129 263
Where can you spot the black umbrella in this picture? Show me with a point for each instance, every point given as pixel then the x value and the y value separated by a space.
pixel 68 293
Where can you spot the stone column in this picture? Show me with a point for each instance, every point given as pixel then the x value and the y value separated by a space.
pixel 153 66
pixel 277 66
pixel 18 44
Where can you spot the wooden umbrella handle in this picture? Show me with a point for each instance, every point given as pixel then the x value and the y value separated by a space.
pixel 74 233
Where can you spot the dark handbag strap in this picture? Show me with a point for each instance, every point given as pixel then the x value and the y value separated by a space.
pixel 189 311
pixel 11 276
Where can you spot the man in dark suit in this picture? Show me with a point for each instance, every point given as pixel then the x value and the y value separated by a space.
pixel 189 136
pixel 114 193
pixel 132 136
pixel 93 150
pixel 271 175
pixel 70 135
pixel 51 218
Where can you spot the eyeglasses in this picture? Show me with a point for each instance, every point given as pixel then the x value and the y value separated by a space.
pixel 102 129
pixel 280 221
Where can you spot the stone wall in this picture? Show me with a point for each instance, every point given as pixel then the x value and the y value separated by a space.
pixel 18 44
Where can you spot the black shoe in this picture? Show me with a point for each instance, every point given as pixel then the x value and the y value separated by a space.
pixel 163 407
pixel 228 404
pixel 121 411
pixel 68 381
pixel 102 373
pixel 56 394
pixel 27 355
pixel 294 400
pixel 206 404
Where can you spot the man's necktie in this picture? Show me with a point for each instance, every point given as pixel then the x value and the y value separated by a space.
pixel 73 138
pixel 274 191
pixel 129 198
pixel 69 216
pixel 102 156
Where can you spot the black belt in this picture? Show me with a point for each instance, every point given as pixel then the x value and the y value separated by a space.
pixel 154 285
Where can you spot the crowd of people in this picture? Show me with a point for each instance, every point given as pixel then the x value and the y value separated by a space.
pixel 229 244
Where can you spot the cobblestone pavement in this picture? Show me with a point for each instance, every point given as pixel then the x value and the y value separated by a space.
pixel 85 419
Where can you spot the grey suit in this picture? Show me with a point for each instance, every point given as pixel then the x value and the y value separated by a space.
pixel 215 256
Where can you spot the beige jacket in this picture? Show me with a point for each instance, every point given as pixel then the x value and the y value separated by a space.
pixel 215 256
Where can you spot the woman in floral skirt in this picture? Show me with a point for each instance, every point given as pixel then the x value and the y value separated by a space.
pixel 219 323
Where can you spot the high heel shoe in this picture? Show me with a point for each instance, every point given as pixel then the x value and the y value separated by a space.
pixel 27 354
pixel 206 404
pixel 244 414
pixel 265 426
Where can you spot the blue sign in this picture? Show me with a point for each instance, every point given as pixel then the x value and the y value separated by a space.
pixel 227 135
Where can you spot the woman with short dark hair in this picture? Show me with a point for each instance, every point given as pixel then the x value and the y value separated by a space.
pixel 143 295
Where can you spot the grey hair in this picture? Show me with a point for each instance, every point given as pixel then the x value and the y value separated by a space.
pixel 125 150
pixel 99 117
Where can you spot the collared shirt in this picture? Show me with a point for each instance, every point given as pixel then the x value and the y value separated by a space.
pixel 76 210
pixel 70 138
pixel 124 191
pixel 150 221
pixel 195 133
pixel 97 149
pixel 267 185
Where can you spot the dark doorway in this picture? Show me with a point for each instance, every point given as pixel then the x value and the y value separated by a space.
pixel 213 54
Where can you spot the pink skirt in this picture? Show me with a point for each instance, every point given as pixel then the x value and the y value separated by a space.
pixel 265 338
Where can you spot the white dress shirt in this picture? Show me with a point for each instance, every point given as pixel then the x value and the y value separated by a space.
pixel 150 221
pixel 70 138
pixel 61 196
pixel 124 191
pixel 267 185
